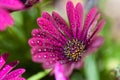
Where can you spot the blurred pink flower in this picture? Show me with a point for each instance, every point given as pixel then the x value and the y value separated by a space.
pixel 12 5
pixel 64 47
pixel 5 73
pixel 5 19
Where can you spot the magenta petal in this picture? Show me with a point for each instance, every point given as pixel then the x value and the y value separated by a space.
pixel 42 35
pixel 61 25
pixel 11 4
pixel 36 42
pixel 79 18
pixel 46 15
pixel 36 33
pixel 39 33
pixel 40 57
pixel 39 49
pixel 67 68
pixel 79 64
pixel 17 78
pixel 5 20
pixel 7 68
pixel 50 28
pixel 3 59
pixel 93 27
pixel 99 27
pixel 58 22
pixel 21 78
pixel 71 16
pixel 50 19
pixel 14 74
pixel 59 72
pixel 43 42
pixel 95 43
pixel 47 58
pixel 90 17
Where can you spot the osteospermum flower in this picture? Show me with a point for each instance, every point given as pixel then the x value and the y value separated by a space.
pixel 6 6
pixel 57 43
pixel 5 70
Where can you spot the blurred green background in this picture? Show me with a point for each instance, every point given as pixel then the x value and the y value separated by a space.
pixel 98 66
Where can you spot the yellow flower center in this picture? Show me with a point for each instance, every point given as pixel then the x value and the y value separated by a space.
pixel 74 49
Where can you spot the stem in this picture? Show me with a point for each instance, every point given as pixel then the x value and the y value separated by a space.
pixel 39 75
pixel 91 70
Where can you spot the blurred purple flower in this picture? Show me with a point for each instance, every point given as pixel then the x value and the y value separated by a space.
pixel 57 43
pixel 5 73
pixel 7 6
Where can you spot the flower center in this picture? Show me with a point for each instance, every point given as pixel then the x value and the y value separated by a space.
pixel 73 50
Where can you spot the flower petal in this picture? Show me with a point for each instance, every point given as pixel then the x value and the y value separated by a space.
pixel 79 64
pixel 61 25
pixel 71 16
pixel 7 68
pixel 89 18
pixel 69 67
pixel 35 42
pixel 39 33
pixel 58 22
pixel 93 27
pixel 29 3
pixel 18 78
pixel 79 18
pixel 47 26
pixel 99 27
pixel 95 43
pixel 46 15
pixel 43 42
pixel 11 4
pixel 3 59
pixel 14 74
pixel 43 37
pixel 47 58
pixel 5 20
pixel 21 78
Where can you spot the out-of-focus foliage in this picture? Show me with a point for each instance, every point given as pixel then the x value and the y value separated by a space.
pixel 98 66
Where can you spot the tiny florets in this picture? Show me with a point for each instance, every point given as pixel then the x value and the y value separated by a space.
pixel 73 50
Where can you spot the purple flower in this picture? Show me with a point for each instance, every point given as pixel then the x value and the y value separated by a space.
pixel 56 42
pixel 5 70
pixel 6 6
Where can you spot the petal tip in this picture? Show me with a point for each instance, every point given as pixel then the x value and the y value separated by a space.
pixel 14 63
pixel 5 56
